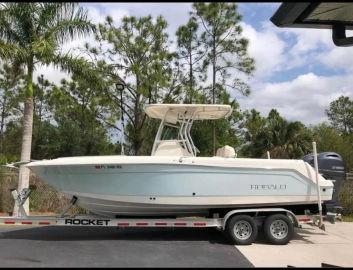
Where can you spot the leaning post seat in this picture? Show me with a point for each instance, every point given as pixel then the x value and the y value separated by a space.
pixel 226 152
pixel 170 148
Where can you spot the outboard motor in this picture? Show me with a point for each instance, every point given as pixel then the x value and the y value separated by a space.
pixel 331 166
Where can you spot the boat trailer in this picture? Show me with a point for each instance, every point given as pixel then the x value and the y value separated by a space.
pixel 237 223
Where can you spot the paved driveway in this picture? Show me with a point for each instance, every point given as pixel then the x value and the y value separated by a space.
pixel 112 247
pixel 310 248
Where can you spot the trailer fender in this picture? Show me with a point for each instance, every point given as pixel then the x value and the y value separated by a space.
pixel 260 210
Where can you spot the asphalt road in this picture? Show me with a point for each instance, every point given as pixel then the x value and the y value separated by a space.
pixel 111 247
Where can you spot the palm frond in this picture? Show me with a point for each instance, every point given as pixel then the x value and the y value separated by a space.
pixel 44 49
pixel 68 24
pixel 21 16
pixel 69 29
pixel 12 51
pixel 50 13
pixel 7 30
pixel 38 29
pixel 73 64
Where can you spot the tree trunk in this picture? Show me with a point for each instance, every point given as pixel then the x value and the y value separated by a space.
pixel 136 143
pixel 191 74
pixel 2 126
pixel 23 181
pixel 213 91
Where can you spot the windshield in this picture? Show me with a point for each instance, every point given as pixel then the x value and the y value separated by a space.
pixel 179 133
pixel 169 133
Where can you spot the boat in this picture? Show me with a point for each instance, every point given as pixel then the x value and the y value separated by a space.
pixel 174 181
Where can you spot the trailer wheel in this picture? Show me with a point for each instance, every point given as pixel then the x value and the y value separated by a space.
pixel 241 229
pixel 278 229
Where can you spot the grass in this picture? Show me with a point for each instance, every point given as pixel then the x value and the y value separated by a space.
pixel 348 218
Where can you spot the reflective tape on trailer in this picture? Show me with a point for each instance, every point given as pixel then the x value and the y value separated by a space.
pixel 160 223
pixel 141 223
pixel 9 222
pixel 200 224
pixel 123 224
pixel 44 223
pixel 25 222
pixel 180 223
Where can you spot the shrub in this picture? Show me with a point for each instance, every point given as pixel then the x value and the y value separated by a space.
pixel 345 197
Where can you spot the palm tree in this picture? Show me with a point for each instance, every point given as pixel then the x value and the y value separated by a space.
pixel 286 139
pixel 31 34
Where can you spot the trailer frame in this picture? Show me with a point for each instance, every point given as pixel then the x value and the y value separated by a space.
pixel 220 223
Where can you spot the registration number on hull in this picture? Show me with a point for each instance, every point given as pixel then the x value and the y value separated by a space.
pixel 98 167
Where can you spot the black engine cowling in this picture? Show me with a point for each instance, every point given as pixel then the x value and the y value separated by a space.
pixel 331 166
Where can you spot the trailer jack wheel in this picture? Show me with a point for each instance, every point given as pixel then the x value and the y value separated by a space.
pixel 241 229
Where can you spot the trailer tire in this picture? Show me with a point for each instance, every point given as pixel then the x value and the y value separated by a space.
pixel 241 229
pixel 278 229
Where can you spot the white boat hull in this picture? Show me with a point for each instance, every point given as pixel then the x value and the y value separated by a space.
pixel 122 206
pixel 155 186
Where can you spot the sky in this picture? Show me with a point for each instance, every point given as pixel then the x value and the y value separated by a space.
pixel 298 71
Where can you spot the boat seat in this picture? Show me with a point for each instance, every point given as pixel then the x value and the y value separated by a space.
pixel 226 152
pixel 171 148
